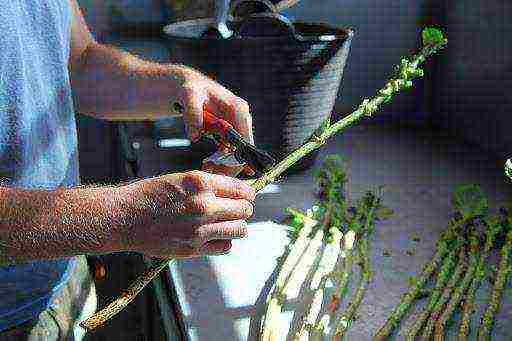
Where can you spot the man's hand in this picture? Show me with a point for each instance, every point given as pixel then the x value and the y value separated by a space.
pixel 112 84
pixel 197 92
pixel 186 214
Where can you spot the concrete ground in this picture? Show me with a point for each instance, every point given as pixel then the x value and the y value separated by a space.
pixel 222 297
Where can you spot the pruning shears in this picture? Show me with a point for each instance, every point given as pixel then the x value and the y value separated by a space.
pixel 226 136
pixel 223 133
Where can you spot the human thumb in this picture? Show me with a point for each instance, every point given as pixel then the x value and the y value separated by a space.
pixel 193 113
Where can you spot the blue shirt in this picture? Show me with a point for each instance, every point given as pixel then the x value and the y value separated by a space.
pixel 38 136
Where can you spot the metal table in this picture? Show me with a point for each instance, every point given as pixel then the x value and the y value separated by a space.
pixel 221 298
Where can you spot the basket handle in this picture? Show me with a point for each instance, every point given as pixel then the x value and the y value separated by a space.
pixel 244 8
pixel 267 25
pixel 260 6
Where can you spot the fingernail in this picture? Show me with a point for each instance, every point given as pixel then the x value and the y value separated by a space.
pixel 250 192
pixel 209 252
pixel 243 230
pixel 220 253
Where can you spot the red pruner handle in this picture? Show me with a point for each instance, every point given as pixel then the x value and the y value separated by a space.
pixel 213 124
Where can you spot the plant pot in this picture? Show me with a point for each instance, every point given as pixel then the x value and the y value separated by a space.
pixel 290 73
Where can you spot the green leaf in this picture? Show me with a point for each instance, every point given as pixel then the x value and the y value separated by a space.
pixel 470 201
pixel 432 36
pixel 296 222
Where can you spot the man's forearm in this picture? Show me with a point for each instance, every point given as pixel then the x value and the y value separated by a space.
pixel 115 85
pixel 41 224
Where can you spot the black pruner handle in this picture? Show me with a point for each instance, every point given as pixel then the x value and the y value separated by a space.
pixel 259 160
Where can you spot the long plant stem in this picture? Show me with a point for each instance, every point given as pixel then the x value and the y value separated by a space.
pixel 324 270
pixel 364 250
pixel 447 293
pixel 292 287
pixel 343 278
pixel 484 333
pixel 347 317
pixel 273 303
pixel 292 274
pixel 310 315
pixel 418 286
pixel 460 290
pixel 468 305
pixel 479 273
pixel 454 302
pixel 408 70
pixel 366 109
pixel 297 251
pixel 442 279
pixel 126 297
pixel 271 327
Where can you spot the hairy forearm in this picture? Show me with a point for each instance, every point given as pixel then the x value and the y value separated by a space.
pixel 43 224
pixel 115 85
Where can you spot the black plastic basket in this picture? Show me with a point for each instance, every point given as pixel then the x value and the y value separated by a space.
pixel 290 73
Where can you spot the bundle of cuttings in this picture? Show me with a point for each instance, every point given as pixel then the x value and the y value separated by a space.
pixel 450 280
pixel 326 241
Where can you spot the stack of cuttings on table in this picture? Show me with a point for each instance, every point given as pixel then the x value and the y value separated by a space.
pixel 326 242
pixel 333 236
pixel 450 280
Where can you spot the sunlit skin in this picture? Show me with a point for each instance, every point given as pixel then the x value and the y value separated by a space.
pixel 174 215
